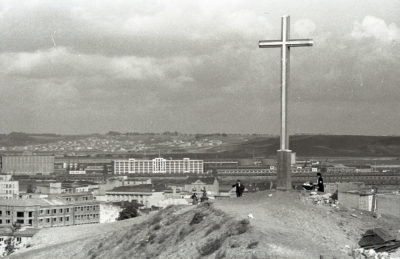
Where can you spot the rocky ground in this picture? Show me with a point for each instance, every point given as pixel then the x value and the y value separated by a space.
pixel 259 225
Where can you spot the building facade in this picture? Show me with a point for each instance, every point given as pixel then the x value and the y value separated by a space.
pixel 143 194
pixel 245 170
pixel 48 212
pixel 8 189
pixel 27 165
pixel 158 166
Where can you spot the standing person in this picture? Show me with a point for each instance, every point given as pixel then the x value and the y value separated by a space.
pixel 195 199
pixel 320 183
pixel 204 196
pixel 239 188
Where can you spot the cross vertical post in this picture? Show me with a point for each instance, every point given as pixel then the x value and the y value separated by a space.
pixel 284 181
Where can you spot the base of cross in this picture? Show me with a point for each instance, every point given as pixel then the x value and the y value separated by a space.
pixel 284 172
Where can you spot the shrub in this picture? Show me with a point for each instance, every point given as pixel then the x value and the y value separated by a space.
pixel 157 227
pixel 184 232
pixel 214 227
pixel 130 210
pixel 155 219
pixel 162 238
pixel 221 254
pixel 252 245
pixel 152 237
pixel 243 226
pixel 210 246
pixel 197 218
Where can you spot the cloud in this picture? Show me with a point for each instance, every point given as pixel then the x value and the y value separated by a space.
pixel 60 62
pixel 376 28
pixel 134 65
pixel 304 28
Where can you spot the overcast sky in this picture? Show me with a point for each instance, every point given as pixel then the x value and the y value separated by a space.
pixel 195 66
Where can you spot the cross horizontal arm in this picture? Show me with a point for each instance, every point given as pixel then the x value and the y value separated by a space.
pixel 300 43
pixel 289 43
pixel 270 43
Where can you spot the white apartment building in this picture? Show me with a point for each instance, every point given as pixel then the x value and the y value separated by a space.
pixel 8 189
pixel 158 166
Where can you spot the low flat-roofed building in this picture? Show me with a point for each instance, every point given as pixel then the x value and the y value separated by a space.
pixel 340 169
pixel 19 238
pixel 363 200
pixel 144 194
pixel 245 170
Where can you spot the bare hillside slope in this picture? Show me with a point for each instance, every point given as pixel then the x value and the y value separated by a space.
pixel 284 225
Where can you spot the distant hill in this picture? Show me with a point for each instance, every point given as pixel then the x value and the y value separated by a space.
pixel 233 145
pixel 320 145
pixel 22 139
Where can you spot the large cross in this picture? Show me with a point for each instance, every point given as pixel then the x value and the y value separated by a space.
pixel 285 43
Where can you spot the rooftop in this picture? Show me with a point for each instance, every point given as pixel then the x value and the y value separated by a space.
pixel 133 188
pixel 193 179
pixel 51 201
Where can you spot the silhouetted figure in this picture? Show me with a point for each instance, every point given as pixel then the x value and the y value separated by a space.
pixel 195 199
pixel 239 188
pixel 320 183
pixel 204 195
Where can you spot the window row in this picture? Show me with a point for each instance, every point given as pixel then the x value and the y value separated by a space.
pixel 54 211
pixel 86 216
pixel 54 220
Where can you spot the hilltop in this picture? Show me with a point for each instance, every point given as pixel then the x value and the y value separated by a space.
pixel 284 225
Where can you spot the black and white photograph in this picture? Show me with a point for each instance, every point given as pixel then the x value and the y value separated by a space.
pixel 188 129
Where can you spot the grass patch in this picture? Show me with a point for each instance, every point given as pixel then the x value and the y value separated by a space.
pixel 162 238
pixel 184 232
pixel 234 245
pixel 221 254
pixel 151 238
pixel 252 245
pixel 213 228
pixel 243 226
pixel 155 219
pixel 157 227
pixel 210 246
pixel 197 218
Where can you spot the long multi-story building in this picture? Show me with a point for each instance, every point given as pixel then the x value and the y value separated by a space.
pixel 48 212
pixel 27 164
pixel 158 166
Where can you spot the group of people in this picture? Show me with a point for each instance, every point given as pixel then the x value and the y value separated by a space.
pixel 239 189
pixel 203 197
pixel 319 186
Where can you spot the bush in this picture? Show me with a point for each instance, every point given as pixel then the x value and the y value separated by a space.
pixel 214 227
pixel 243 226
pixel 184 232
pixel 210 246
pixel 155 219
pixel 252 245
pixel 197 218
pixel 130 210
